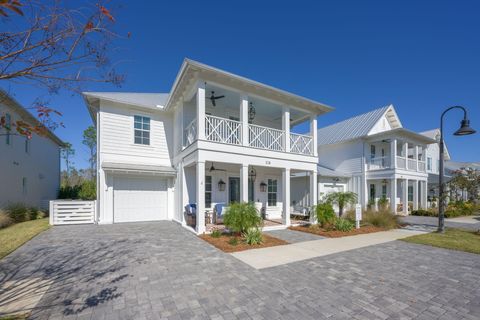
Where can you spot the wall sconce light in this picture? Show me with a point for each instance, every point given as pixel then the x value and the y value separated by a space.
pixel 221 185
pixel 263 187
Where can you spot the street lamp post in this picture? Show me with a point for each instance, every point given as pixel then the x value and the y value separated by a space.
pixel 462 131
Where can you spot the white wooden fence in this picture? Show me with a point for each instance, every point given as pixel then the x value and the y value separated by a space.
pixel 72 212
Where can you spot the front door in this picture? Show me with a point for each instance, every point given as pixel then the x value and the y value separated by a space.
pixel 234 189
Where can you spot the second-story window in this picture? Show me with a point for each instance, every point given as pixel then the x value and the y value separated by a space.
pixel 372 151
pixel 429 164
pixel 142 130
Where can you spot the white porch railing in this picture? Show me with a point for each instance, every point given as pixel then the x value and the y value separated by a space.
pixel 401 162
pixel 223 130
pixel 412 164
pixel 378 163
pixel 72 212
pixel 301 143
pixel 266 138
pixel 190 133
pixel 421 166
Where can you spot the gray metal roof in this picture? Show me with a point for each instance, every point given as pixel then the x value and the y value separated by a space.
pixel 352 128
pixel 151 100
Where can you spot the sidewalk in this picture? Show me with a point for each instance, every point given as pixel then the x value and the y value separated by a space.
pixel 275 256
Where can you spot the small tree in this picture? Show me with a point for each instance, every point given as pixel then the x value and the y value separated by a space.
pixel 67 153
pixel 341 199
pixel 240 217
pixel 90 140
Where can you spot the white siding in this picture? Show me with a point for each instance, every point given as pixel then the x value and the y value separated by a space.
pixel 382 125
pixel 346 157
pixel 117 136
pixel 433 153
pixel 40 166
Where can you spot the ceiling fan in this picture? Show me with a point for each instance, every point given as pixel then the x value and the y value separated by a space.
pixel 212 168
pixel 213 98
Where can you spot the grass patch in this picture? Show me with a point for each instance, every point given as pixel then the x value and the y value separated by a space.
pixel 14 236
pixel 454 239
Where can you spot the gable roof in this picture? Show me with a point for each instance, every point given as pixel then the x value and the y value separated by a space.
pixel 149 100
pixel 435 135
pixel 9 101
pixel 357 127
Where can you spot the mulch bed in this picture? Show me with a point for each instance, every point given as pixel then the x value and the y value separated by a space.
pixel 335 233
pixel 222 243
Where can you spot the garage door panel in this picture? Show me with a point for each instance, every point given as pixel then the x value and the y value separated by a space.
pixel 139 199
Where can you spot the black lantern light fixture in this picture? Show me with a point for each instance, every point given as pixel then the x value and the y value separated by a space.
pixel 251 113
pixel 263 187
pixel 252 174
pixel 221 185
pixel 464 130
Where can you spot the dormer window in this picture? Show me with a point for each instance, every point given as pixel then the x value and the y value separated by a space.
pixel 142 130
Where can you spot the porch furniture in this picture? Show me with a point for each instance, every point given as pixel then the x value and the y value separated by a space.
pixel 191 214
pixel 218 212
pixel 299 210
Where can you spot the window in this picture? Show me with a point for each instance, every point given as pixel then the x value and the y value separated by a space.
pixel 372 151
pixel 27 145
pixel 429 164
pixel 384 190
pixel 8 126
pixel 208 191
pixel 272 192
pixel 142 130
pixel 24 185
pixel 410 193
pixel 372 192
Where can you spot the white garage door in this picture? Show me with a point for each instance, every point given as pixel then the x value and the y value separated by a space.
pixel 139 199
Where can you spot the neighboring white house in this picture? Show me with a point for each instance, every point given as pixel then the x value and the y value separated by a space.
pixel 213 139
pixel 30 168
pixel 375 157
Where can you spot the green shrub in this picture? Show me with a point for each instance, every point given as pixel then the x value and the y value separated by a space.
pixel 233 241
pixel 253 236
pixel 425 213
pixel 88 190
pixel 68 192
pixel 216 234
pixel 33 213
pixel 383 203
pixel 5 219
pixel 241 217
pixel 18 212
pixel 382 219
pixel 325 214
pixel 343 225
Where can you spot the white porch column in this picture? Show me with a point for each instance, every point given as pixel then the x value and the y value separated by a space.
pixel 313 194
pixel 313 133
pixel 405 196
pixel 201 110
pixel 183 191
pixel 244 118
pixel 286 196
pixel 286 127
pixel 393 153
pixel 405 146
pixel 415 193
pixel 415 156
pixel 393 195
pixel 244 183
pixel 200 197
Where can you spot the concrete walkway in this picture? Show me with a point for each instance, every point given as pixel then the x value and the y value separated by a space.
pixel 276 256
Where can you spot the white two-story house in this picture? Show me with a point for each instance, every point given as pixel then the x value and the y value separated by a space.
pixel 375 157
pixel 215 138
pixel 29 167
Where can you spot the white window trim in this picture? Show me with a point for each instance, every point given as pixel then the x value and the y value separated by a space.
pixel 134 113
pixel 277 179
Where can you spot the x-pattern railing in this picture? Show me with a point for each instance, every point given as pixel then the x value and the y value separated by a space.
pixel 190 133
pixel 300 143
pixel 266 138
pixel 223 130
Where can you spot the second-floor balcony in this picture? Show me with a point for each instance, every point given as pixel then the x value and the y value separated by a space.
pixel 227 131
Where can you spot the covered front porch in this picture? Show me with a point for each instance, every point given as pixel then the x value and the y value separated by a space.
pixel 401 194
pixel 208 187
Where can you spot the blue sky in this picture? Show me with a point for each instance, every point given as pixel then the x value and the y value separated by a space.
pixel 420 56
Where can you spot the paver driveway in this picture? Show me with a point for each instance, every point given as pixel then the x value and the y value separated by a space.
pixel 159 270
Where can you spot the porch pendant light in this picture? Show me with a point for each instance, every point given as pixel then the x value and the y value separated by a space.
pixel 251 113
pixel 221 185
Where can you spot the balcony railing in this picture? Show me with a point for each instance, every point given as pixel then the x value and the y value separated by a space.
pixel 266 138
pixel 190 133
pixel 421 166
pixel 300 143
pixel 412 164
pixel 401 162
pixel 223 130
pixel 379 163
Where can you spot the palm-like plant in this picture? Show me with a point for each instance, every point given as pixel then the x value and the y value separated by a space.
pixel 341 199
